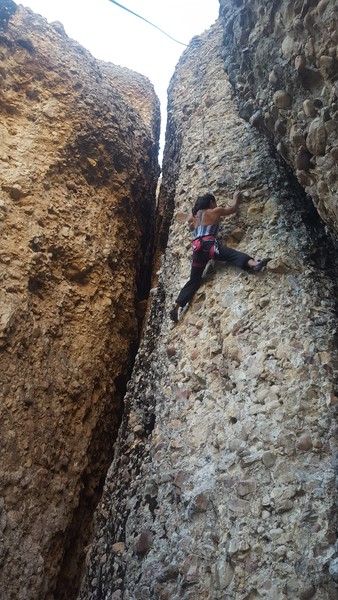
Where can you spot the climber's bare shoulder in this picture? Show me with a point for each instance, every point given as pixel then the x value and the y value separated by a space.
pixel 213 216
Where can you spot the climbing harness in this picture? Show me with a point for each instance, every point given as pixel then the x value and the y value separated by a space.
pixel 204 249
pixel 149 22
pixel 204 246
pixel 199 244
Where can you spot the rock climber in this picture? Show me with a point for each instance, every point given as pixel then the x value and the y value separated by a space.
pixel 206 216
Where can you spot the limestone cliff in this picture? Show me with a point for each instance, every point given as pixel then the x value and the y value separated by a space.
pixel 223 483
pixel 78 175
pixel 281 57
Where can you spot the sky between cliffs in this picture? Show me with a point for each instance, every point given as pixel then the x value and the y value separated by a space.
pixel 113 35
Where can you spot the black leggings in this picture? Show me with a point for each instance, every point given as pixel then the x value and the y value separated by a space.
pixel 199 262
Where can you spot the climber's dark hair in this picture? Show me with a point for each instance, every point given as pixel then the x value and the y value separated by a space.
pixel 202 203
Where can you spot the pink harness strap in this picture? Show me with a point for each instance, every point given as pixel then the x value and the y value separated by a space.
pixel 197 247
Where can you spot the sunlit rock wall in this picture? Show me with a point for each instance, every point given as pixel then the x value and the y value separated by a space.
pixel 78 174
pixel 281 57
pixel 224 478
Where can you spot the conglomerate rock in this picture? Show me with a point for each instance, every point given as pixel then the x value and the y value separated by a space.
pixel 223 483
pixel 78 175
pixel 281 57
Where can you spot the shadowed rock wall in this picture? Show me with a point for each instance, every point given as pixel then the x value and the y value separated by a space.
pixel 78 174
pixel 281 57
pixel 223 483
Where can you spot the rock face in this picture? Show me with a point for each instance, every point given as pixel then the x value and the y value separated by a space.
pixel 78 175
pixel 223 483
pixel 281 57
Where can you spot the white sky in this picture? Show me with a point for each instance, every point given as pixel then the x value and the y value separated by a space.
pixel 113 35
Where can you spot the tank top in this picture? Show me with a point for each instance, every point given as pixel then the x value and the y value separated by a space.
pixel 203 230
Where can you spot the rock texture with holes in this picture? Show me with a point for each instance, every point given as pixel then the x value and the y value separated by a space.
pixel 78 174
pixel 282 61
pixel 224 478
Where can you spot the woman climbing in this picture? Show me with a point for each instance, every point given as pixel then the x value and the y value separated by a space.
pixel 206 216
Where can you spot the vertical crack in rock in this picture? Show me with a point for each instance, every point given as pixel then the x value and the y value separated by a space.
pixel 223 483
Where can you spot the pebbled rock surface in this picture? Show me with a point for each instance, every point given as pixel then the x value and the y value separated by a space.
pixel 223 483
pixel 282 61
pixel 78 175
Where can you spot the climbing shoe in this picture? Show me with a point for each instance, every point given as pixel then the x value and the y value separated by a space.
pixel 174 314
pixel 261 264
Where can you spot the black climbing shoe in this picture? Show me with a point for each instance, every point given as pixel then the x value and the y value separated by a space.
pixel 174 314
pixel 261 264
